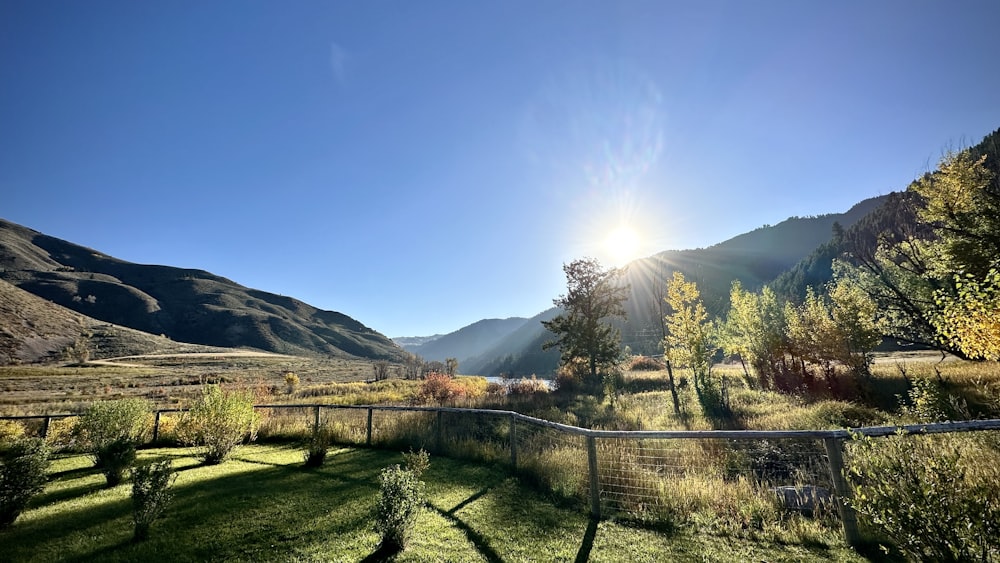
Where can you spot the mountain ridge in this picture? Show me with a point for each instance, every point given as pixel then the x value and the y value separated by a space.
pixel 187 305
pixel 755 258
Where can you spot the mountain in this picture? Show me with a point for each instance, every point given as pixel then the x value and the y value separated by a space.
pixel 467 342
pixel 35 330
pixel 519 353
pixel 408 342
pixel 895 217
pixel 755 258
pixel 183 304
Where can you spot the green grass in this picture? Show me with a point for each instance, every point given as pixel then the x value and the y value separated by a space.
pixel 262 505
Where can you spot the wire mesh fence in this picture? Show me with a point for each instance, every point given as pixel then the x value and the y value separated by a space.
pixel 643 475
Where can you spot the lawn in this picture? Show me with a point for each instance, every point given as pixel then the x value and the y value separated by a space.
pixel 262 505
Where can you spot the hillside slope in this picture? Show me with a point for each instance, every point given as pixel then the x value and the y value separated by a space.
pixel 755 258
pixel 35 330
pixel 183 304
pixel 467 342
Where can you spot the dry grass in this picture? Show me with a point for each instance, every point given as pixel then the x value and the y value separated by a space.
pixel 168 381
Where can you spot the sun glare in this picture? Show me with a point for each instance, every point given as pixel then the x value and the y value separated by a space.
pixel 623 245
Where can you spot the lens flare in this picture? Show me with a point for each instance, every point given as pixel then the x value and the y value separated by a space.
pixel 623 245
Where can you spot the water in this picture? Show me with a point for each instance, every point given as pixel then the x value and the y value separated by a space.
pixel 493 379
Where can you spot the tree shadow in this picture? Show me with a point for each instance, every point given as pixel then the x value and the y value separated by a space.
pixel 385 552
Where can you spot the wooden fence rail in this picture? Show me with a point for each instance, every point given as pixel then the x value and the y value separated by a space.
pixel 833 440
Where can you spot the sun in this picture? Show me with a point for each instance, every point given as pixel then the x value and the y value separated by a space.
pixel 623 244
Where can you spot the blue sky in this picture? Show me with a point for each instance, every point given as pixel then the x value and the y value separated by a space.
pixel 423 165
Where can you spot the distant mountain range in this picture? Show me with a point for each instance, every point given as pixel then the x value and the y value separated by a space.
pixel 184 305
pixel 755 258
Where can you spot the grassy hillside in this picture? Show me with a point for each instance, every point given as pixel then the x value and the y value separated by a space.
pixel 35 330
pixel 182 304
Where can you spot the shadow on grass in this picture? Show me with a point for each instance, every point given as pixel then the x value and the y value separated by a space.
pixel 382 554
pixel 219 515
pixel 67 493
pixel 583 555
pixel 482 544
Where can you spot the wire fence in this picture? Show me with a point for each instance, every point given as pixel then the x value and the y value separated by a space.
pixel 644 475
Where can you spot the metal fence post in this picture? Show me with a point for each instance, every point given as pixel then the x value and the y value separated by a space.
pixel 316 419
pixel 834 452
pixel 156 427
pixel 368 437
pixel 513 442
pixel 45 426
pixel 595 489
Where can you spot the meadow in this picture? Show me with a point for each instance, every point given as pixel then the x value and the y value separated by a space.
pixel 262 505
pixel 661 499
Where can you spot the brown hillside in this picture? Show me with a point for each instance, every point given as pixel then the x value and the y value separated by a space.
pixel 183 304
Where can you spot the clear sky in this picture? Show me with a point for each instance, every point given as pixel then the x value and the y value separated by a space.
pixel 423 165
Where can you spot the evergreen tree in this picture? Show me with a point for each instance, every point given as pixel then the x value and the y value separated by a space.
pixel 593 295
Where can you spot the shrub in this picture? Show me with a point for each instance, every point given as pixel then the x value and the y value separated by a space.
pixel 63 434
pixel 23 463
pixel 150 495
pixel 645 363
pixel 440 388
pixel 318 446
pixel 526 386
pixel 10 431
pixel 115 459
pixel 219 421
pixel 291 382
pixel 399 500
pixel 417 461
pixel 936 499
pixel 470 387
pixel 112 430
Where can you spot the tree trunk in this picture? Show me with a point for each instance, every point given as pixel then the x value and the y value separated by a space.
pixel 673 389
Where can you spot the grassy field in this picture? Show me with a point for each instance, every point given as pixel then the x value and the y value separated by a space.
pixel 167 380
pixel 262 505
pixel 720 511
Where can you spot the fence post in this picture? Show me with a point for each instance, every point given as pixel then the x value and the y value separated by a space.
pixel 440 432
pixel 368 438
pixel 834 452
pixel 595 489
pixel 316 420
pixel 156 427
pixel 513 442
pixel 45 426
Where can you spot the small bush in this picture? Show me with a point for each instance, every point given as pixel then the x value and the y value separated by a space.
pixel 112 430
pixel 106 422
pixel 10 431
pixel 645 363
pixel 219 421
pixel 401 495
pixel 526 386
pixel 318 446
pixel 417 461
pixel 64 434
pixel 115 459
pixel 440 388
pixel 291 382
pixel 150 495
pixel 23 463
